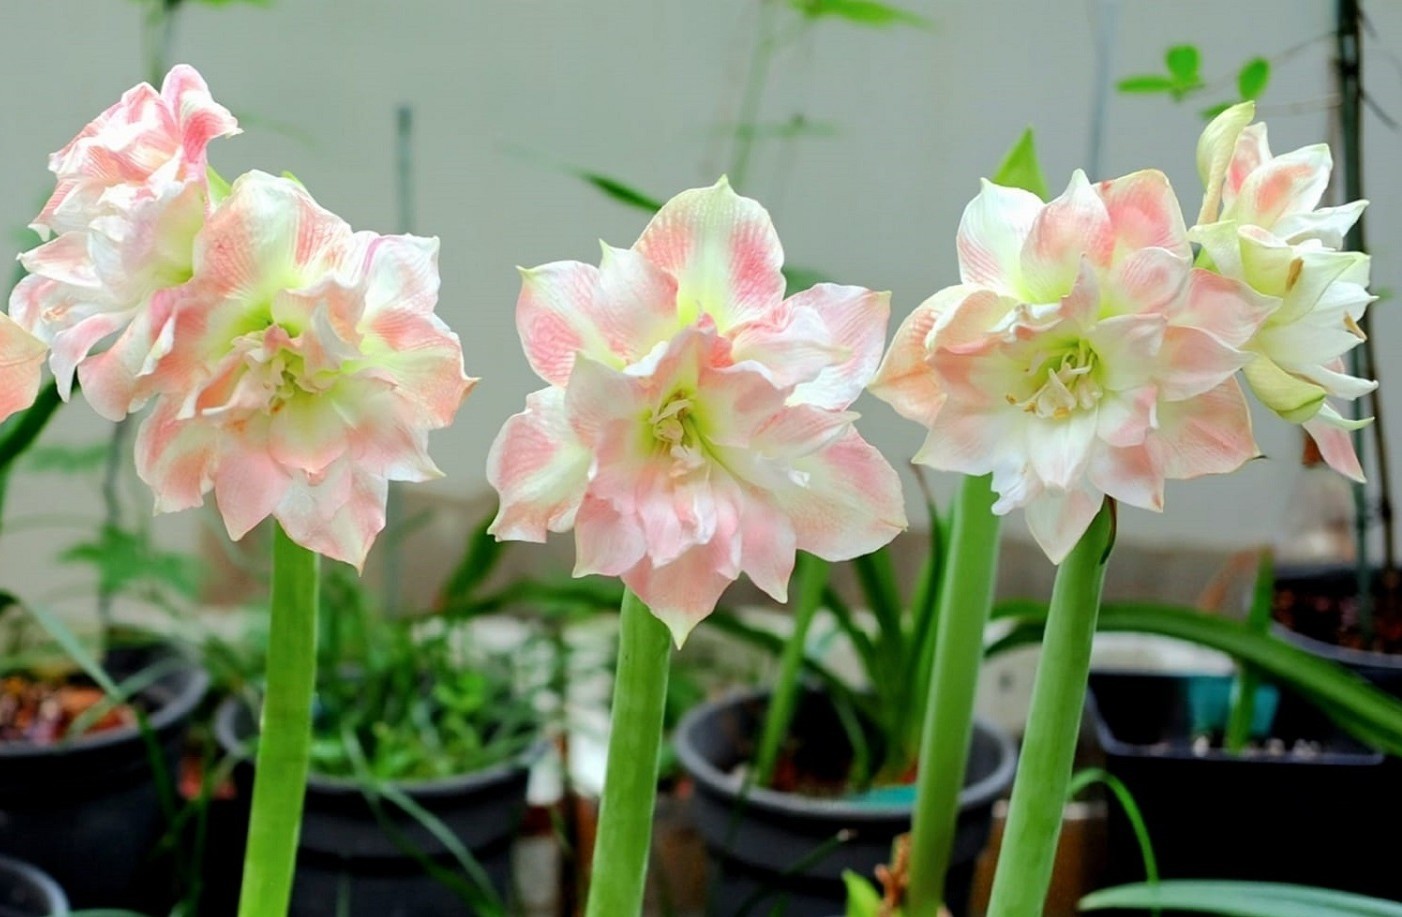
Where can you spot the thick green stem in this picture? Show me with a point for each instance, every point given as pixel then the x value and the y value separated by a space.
pixel 630 782
pixel 966 596
pixel 1053 723
pixel 812 577
pixel 285 734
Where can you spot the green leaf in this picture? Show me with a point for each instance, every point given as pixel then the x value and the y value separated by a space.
pixel 1253 78
pixel 862 12
pixel 64 458
pixel 801 278
pixel 1241 899
pixel 1147 82
pixel 218 186
pixel 620 192
pixel 124 559
pixel 1020 168
pixel 863 900
pixel 1369 714
pixel 1092 775
pixel 1183 62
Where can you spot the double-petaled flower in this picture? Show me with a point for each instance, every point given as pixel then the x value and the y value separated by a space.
pixel 132 192
pixel 1261 223
pixel 695 425
pixel 304 371
pixel 1081 356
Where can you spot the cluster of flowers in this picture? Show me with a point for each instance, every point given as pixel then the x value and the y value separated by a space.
pixel 696 423
pixel 292 366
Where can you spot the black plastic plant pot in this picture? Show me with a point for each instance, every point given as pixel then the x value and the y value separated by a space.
pixel 1316 633
pixel 353 861
pixel 27 892
pixel 90 812
pixel 1317 809
pixel 776 852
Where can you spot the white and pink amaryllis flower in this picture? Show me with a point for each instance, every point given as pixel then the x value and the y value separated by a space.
pixel 1261 223
pixel 695 425
pixel 305 369
pixel 1081 357
pixel 132 192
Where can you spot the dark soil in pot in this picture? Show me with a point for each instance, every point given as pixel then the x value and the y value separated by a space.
pixel 1309 805
pixel 27 892
pixel 87 810
pixel 778 853
pixel 349 862
pixel 1318 609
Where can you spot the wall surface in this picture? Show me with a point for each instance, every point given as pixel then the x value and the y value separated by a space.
pixel 505 92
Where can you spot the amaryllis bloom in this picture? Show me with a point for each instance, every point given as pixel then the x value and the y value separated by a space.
pixel 132 193
pixel 1082 356
pixel 21 365
pixel 1261 223
pixel 695 424
pixel 305 369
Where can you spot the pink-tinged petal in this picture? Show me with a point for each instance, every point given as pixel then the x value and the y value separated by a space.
pixel 967 435
pixel 905 379
pixel 606 542
pixel 176 458
pixel 1081 304
pixel 1209 434
pixel 1148 280
pixel 1126 420
pixel 1058 519
pixel 65 260
pixel 248 486
pixel 1060 448
pixel 854 320
pixel 682 593
pixel 1071 227
pixel 1336 446
pixel 1221 246
pixel 635 306
pixel 845 501
pixel 21 365
pixel 1252 148
pixel 1286 184
pixel 550 316
pixel 425 359
pixel 1216 147
pixel 115 381
pixel 1227 309
pixel 1132 475
pixel 991 235
pixel 201 119
pixel 540 470
pixel 337 516
pixel 723 252
pixel 268 236
pixel 1192 362
pixel 1144 213
pixel 791 347
pixel 72 347
pixel 767 545
pixel 306 433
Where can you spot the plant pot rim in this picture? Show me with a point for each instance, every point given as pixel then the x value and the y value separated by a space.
pixel 1112 744
pixel 42 881
pixel 1343 654
pixel 227 734
pixel 981 792
pixel 188 694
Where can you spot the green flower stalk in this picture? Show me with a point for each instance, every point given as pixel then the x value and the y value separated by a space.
pixel 284 743
pixel 1053 724
pixel 619 872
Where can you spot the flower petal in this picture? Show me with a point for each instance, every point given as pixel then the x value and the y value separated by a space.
pixel 991 235
pixel 1209 434
pixel 21 365
pixel 1216 147
pixel 723 252
pixel 1144 213
pixel 1058 519
pixel 1071 227
pixel 539 468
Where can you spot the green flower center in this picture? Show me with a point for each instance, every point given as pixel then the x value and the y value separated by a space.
pixel 1061 383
